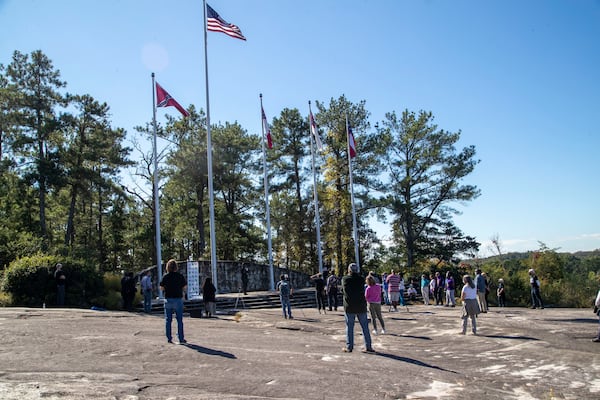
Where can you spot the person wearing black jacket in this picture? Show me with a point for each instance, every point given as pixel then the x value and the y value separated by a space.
pixel 355 306
pixel 173 284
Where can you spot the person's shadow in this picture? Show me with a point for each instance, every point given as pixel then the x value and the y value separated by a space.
pixel 210 352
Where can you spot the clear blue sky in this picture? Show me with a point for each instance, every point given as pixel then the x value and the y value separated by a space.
pixel 520 79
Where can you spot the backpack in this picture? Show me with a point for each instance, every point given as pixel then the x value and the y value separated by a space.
pixel 284 288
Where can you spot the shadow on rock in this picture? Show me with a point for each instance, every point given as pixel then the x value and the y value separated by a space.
pixel 412 361
pixel 210 352
pixel 510 337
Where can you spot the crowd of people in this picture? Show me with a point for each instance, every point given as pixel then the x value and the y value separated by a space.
pixel 361 296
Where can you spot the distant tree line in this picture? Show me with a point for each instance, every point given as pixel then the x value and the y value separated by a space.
pixel 63 191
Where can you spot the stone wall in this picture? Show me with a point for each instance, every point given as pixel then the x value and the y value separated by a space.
pixel 229 276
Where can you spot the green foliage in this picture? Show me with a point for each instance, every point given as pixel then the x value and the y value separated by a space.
pixel 30 281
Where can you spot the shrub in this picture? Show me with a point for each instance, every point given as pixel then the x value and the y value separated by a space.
pixel 111 298
pixel 30 281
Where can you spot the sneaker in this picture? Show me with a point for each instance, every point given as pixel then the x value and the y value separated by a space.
pixel 596 340
pixel 183 341
pixel 347 350
pixel 383 331
pixel 370 350
pixel 374 331
pixel 169 341
pixel 462 333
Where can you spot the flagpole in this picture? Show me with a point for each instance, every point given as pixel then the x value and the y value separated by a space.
pixel 267 209
pixel 155 188
pixel 316 197
pixel 211 203
pixel 354 225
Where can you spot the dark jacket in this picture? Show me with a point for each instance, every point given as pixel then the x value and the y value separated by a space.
pixel 353 288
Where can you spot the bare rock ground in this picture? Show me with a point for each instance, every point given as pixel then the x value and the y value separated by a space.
pixel 82 354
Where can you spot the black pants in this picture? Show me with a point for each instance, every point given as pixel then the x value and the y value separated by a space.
pixel 320 299
pixel 332 299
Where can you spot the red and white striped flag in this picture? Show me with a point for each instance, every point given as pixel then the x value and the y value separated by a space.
pixel 315 132
pixel 215 23
pixel 351 144
pixel 266 128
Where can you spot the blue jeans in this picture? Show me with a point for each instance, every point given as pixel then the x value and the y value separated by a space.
pixel 285 305
pixel 401 297
pixel 536 298
pixel 364 324
pixel 174 304
pixel 147 300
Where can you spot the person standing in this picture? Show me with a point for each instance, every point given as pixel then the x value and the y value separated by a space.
pixel 440 290
pixel 501 293
pixel 536 297
pixel 61 279
pixel 245 279
pixel 332 291
pixel 285 291
pixel 432 287
pixel 393 282
pixel 425 289
pixel 597 309
pixel 209 293
pixel 173 284
pixel 384 282
pixel 469 296
pixel 450 300
pixel 373 297
pixel 146 286
pixel 128 290
pixel 355 306
pixel 319 283
pixel 481 288
pixel 401 289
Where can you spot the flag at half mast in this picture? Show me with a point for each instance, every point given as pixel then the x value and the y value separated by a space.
pixel 215 23
pixel 164 99
pixel 315 132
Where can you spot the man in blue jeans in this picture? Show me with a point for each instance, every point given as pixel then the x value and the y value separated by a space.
pixel 355 305
pixel 173 285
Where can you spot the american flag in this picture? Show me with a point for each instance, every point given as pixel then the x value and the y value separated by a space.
pixel 215 23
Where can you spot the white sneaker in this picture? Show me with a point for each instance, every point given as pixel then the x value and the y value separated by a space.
pixel 383 331
pixel 374 331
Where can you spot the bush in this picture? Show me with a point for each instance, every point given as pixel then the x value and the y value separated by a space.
pixel 112 299
pixel 30 281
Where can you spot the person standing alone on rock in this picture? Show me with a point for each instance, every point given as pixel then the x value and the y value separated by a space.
pixel 355 306
pixel 285 290
pixel 536 297
pixel 61 279
pixel 470 307
pixel 173 284
pixel 319 283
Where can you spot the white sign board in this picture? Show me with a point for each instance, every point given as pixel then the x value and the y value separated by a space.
pixel 193 280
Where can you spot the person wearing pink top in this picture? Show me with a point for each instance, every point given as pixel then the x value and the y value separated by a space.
pixel 373 297
pixel 393 281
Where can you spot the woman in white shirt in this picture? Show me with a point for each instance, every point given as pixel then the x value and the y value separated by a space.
pixel 470 305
